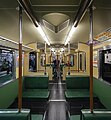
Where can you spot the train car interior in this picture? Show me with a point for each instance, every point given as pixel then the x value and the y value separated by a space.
pixel 55 59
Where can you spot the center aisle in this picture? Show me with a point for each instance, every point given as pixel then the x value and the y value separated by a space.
pixel 57 107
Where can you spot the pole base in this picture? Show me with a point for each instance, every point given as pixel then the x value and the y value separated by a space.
pixel 45 73
pixel 68 73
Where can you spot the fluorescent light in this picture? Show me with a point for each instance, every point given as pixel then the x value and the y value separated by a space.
pixel 6 39
pixel 9 40
pixel 70 35
pixel 52 49
pixel 62 49
pixel 43 34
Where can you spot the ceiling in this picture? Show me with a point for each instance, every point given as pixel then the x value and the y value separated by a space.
pixel 55 13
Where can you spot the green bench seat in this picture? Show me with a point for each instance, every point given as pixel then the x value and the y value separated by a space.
pixel 36 87
pixel 77 86
pixel 77 82
pixel 11 114
pixel 78 93
pixel 36 93
pixel 36 117
pixel 96 115
pixel 36 82
pixel 75 117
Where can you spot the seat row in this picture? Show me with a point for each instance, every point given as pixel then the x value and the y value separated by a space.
pixel 78 95
pixel 34 95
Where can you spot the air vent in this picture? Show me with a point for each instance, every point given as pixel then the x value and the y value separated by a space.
pixel 63 25
pixel 74 46
pixel 49 26
pixel 56 29
pixel 40 46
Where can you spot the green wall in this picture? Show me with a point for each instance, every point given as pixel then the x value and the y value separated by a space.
pixel 103 91
pixel 8 93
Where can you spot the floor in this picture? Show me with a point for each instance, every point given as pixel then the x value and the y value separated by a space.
pixel 57 108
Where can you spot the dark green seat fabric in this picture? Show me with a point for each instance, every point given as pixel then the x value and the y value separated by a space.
pixel 75 117
pixel 77 86
pixel 97 115
pixel 9 114
pixel 36 87
pixel 36 82
pixel 36 93
pixel 36 117
pixel 77 93
pixel 77 82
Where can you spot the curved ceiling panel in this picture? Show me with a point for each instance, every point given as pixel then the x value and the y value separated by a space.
pixel 55 18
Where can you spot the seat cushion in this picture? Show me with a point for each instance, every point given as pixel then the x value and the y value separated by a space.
pixel 36 93
pixel 75 117
pixel 96 115
pixel 36 117
pixel 77 93
pixel 13 114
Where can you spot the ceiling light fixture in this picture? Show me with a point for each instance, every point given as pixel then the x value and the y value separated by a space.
pixel 70 35
pixel 52 49
pixel 40 30
pixel 13 42
pixel 62 49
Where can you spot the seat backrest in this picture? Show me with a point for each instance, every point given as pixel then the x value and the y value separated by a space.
pixel 77 82
pixel 36 82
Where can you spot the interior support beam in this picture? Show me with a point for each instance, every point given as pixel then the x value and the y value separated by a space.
pixel 69 58
pixel 27 7
pixel 45 58
pixel 20 61
pixel 81 11
pixel 91 57
pixel 78 61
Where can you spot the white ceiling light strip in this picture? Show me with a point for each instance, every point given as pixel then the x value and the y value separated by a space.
pixel 70 35
pixel 39 28
pixel 10 43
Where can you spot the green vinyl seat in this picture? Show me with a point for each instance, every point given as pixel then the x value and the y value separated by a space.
pixel 36 117
pixel 101 114
pixel 36 87
pixel 36 93
pixel 36 82
pixel 77 82
pixel 13 114
pixel 77 93
pixel 75 117
pixel 77 87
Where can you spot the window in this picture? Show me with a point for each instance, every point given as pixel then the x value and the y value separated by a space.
pixel 33 61
pixel 6 65
pixel 105 65
pixel 42 60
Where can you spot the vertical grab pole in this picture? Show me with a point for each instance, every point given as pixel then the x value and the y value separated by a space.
pixel 69 58
pixel 91 57
pixel 20 60
pixel 50 56
pixel 78 61
pixel 45 59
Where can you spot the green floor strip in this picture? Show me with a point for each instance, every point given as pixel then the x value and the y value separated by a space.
pixel 36 117
pixel 75 117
